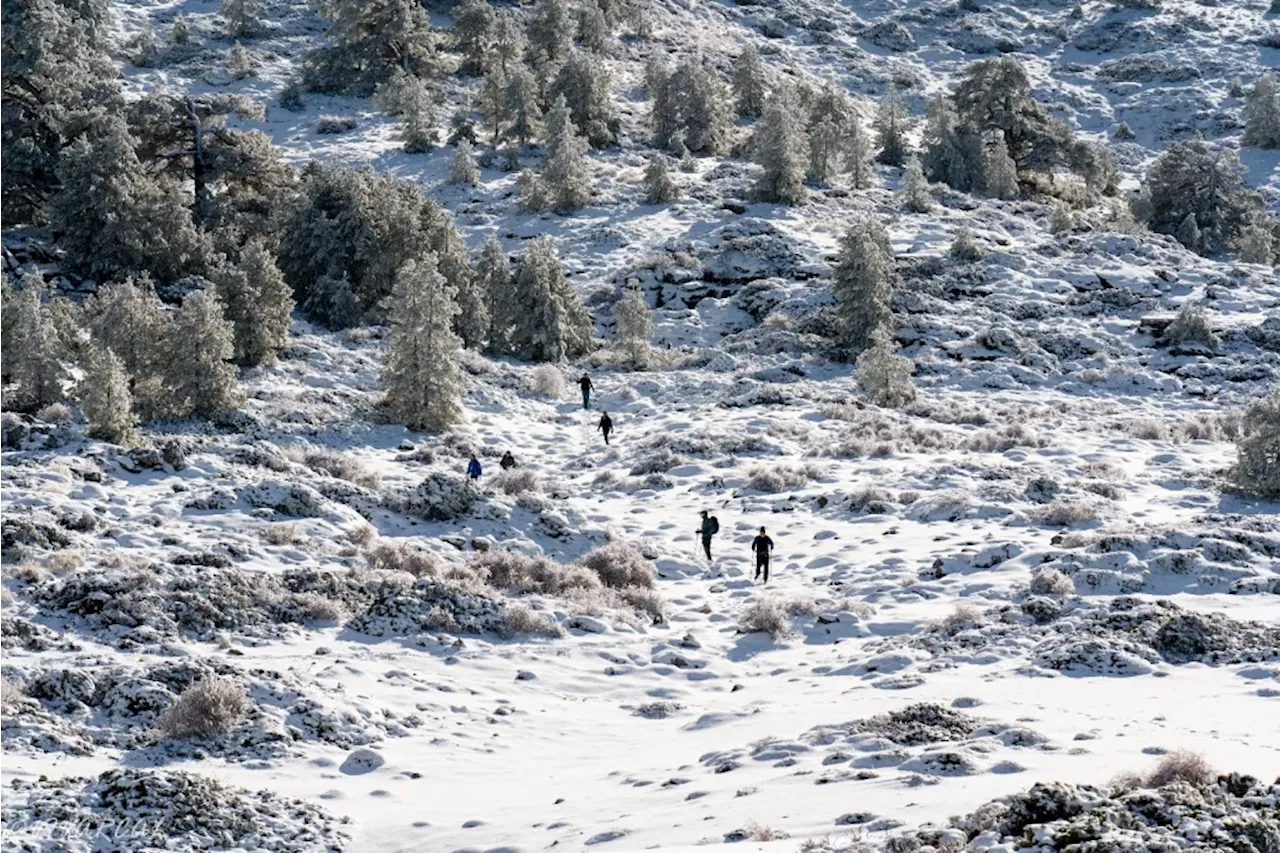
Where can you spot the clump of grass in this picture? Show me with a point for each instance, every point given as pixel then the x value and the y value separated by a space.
pixel 1047 581
pixel 772 616
pixel 211 706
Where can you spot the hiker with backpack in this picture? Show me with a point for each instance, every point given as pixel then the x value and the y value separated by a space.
pixel 585 384
pixel 508 461
pixel 473 468
pixel 710 527
pixel 763 546
pixel 605 426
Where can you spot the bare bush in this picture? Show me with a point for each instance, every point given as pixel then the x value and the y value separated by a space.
pixel 1147 429
pixel 1064 513
pixel 343 466
pixel 773 615
pixel 619 565
pixel 1189 767
pixel 868 499
pixel 12 694
pixel 962 618
pixel 282 533
pixel 1048 581
pixel 516 481
pixel 335 124
pixel 404 557
pixel 361 535
pixel 211 706
pixel 777 477
pixel 524 573
pixel 55 413
pixel 1004 438
pixel 314 607
pixel 521 619
pixel 547 381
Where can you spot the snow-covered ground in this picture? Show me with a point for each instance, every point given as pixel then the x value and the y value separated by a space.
pixel 917 675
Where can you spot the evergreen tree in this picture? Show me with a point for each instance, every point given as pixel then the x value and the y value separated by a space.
pixel 1257 468
pixel 367 41
pixel 550 324
pixel 964 247
pixel 857 156
pixel 1124 133
pixel 32 348
pixel 658 185
pixel 1258 241
pixel 587 89
pixel 781 148
pixel 915 188
pixel 1000 174
pixel 493 278
pixel 994 97
pixel 243 17
pixel 750 83
pixel 564 185
pixel 952 154
pixel 825 142
pixel 891 125
pixel 883 375
pixel 551 30
pixel 127 319
pixel 241 63
pixel 522 106
pixel 492 104
pixel 1262 109
pixel 1061 220
pixel 1188 233
pixel 1192 177
pixel 454 263
pixel 831 102
pixel 258 303
pixel 115 217
pixel 180 33
pixel 420 372
pixel 593 28
pixel 863 284
pixel 508 43
pixel 461 128
pixel 474 22
pixel 199 372
pixel 462 165
pixel 690 107
pixel 417 122
pixel 105 399
pixel 633 326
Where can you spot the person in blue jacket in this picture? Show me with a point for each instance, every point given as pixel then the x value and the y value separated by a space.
pixel 473 468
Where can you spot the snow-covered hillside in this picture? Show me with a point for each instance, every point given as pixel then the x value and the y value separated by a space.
pixel 1032 574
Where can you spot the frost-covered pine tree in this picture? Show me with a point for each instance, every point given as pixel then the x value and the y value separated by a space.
pixel 1258 241
pixel 564 184
pixel 551 30
pixel 551 323
pixel 417 121
pixel 863 284
pixel 367 41
pixel 999 174
pixel 857 155
pixel 1124 133
pixel 243 17
pixel 633 327
pixel 523 110
pixel 964 247
pixel 258 303
pixel 105 399
pixel 891 125
pixel 462 165
pixel 241 62
pixel 1194 177
pixel 1188 233
pixel 420 371
pixel 461 127
pixel 473 33
pixel 127 319
pixel 883 375
pixel 1061 220
pixel 915 188
pixel 780 146
pixel 199 372
pixel 952 154
pixel 491 102
pixel 492 276
pixel 32 348
pixel 750 83
pixel 659 188
pixel 585 84
pixel 690 108
pixel 1257 468
pixel 825 142
pixel 179 33
pixel 593 28
pixel 1262 111
pixel 453 261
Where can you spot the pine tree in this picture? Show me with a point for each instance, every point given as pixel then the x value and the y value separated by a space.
pixel 417 125
pixel 593 28
pixel 127 319
pixel 564 185
pixel 863 284
pixel 994 97
pixel 550 324
pixel 453 261
pixel 1257 468
pixel 857 155
pixel 1000 174
pixel 492 104
pixel 461 127
pixel 462 165
pixel 258 303
pixel 473 34
pixel 658 185
pixel 915 188
pixel 1124 133
pixel 831 102
pixel 508 43
pixel 199 372
pixel 891 125
pixel 952 155
pixel 883 375
pixel 824 151
pixel 241 63
pixel 1188 233
pixel 1262 109
pixel 750 83
pixel 587 88
pixel 1061 220
pixel 32 348
pixel 492 276
pixel 180 33
pixel 243 17
pixel 522 106
pixel 105 399
pixel 1194 177
pixel 781 148
pixel 1258 241
pixel 420 371
pixel 551 30
pixel 633 326
pixel 964 247
pixel 690 107
pixel 367 41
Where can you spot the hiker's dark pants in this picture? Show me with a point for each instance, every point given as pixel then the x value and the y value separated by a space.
pixel 706 545
pixel 586 398
pixel 606 435
pixel 762 565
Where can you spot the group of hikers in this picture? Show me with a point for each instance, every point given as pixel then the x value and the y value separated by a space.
pixel 606 423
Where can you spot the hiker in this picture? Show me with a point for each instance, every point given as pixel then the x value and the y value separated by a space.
pixel 473 468
pixel 585 384
pixel 710 527
pixel 762 545
pixel 605 426
pixel 508 461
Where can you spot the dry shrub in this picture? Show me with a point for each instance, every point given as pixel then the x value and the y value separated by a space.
pixel 776 478
pixel 315 607
pixel 1004 438
pixel 64 562
pixel 335 124
pixel 211 706
pixel 282 533
pixel 756 832
pixel 404 557
pixel 1189 767
pixel 1103 471
pixel 360 534
pixel 55 413
pixel 862 498
pixel 962 618
pixel 1191 326
pixel 1064 513
pixel 524 573
pixel 516 481
pixel 1147 429
pixel 547 381
pixel 645 600
pixel 773 615
pixel 619 565
pixel 342 466
pixel 12 692
pixel 1048 581
pixel 520 619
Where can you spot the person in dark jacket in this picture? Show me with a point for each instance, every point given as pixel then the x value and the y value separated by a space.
pixel 473 468
pixel 762 545
pixel 585 384
pixel 508 461
pixel 710 527
pixel 605 426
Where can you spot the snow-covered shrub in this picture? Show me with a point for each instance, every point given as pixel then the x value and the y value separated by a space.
pixel 883 375
pixel 962 618
pixel 462 165
pixel 872 499
pixel 55 413
pixel 1191 326
pixel 1188 767
pixel 1064 513
pixel 1004 438
pixel 517 481
pixel 521 619
pixel 778 477
pixel 1262 108
pixel 282 533
pixel 439 497
pixel 659 187
pixel 210 706
pixel 524 573
pixel 964 247
pixel 644 600
pixel 547 381
pixel 619 565
pixel 343 466
pixel 1048 581
pixel 1147 429
pixel 335 124
pixel 1257 468
pixel 772 615
pixel 404 557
